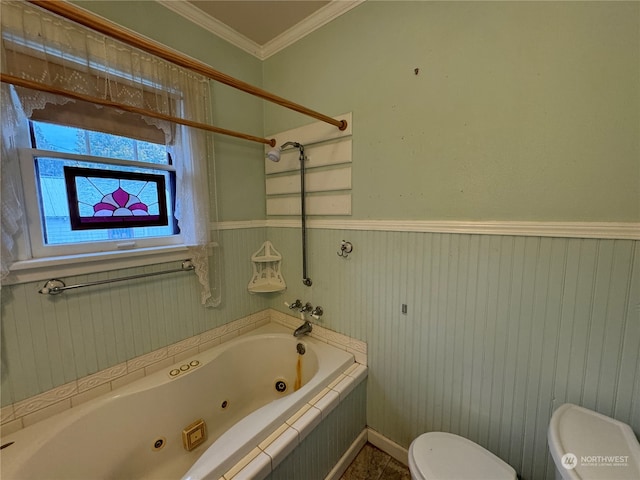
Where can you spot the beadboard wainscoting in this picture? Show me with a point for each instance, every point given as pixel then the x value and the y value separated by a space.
pixel 49 341
pixel 499 329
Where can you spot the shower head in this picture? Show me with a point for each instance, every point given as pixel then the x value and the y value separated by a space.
pixel 274 155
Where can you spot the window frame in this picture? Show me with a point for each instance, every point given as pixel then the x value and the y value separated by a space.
pixel 39 250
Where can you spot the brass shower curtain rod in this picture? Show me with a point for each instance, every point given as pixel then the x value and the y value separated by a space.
pixel 21 82
pixel 98 24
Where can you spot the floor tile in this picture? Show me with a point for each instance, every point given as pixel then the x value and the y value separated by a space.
pixel 368 464
pixel 371 463
pixel 395 471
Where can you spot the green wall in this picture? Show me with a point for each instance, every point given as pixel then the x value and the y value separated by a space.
pixel 499 330
pixel 239 167
pixel 520 110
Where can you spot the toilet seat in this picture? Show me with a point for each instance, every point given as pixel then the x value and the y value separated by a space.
pixel 445 456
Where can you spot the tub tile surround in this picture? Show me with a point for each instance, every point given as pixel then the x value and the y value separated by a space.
pixel 103 377
pixel 259 467
pixel 305 422
pixel 356 347
pixel 40 407
pixel 290 434
pixel 282 446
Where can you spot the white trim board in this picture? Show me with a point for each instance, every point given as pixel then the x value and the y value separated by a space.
pixel 316 181
pixel 604 230
pixel 333 204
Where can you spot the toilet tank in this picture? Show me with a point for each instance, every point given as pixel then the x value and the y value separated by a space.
pixel 586 445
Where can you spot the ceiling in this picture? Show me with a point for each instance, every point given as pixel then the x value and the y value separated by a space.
pixel 260 27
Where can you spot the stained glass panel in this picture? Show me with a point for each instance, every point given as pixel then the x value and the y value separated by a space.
pixel 114 199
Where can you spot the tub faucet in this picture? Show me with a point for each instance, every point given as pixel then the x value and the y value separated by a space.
pixel 303 329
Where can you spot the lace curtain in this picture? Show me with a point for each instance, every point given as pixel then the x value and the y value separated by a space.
pixel 42 47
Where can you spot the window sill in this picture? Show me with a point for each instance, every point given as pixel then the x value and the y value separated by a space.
pixel 64 266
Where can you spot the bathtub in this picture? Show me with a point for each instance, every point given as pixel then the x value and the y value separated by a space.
pixel 137 430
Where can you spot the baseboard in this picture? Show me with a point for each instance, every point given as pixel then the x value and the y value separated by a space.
pixel 389 447
pixel 348 457
pixel 376 439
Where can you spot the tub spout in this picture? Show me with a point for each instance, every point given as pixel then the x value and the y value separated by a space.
pixel 303 329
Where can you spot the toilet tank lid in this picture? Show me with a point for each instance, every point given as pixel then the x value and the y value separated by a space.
pixel 585 444
pixel 443 456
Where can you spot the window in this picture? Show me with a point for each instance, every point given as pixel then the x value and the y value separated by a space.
pixel 90 191
pixel 108 153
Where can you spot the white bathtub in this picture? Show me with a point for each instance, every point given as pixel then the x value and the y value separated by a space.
pixel 113 436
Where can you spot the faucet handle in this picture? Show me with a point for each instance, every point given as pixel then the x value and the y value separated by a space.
pixel 306 308
pixel 317 312
pixel 294 305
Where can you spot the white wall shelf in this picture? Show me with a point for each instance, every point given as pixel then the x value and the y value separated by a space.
pixel 266 270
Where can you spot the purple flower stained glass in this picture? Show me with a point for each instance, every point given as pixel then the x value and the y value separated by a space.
pixel 99 198
pixel 120 204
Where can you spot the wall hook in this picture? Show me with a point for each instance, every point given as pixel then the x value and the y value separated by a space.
pixel 345 249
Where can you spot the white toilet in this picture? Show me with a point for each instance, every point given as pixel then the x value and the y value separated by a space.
pixel 588 445
pixel 445 456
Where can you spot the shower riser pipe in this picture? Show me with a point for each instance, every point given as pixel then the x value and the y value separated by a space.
pixel 305 279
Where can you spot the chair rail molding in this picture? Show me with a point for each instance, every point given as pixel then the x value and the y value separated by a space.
pixel 605 230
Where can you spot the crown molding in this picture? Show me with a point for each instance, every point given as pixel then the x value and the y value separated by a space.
pixel 602 230
pixel 323 16
pixel 313 22
pixel 213 25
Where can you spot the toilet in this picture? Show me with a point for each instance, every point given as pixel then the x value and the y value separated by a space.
pixel 588 445
pixel 445 456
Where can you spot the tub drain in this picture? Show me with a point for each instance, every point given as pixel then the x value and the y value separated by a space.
pixel 281 386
